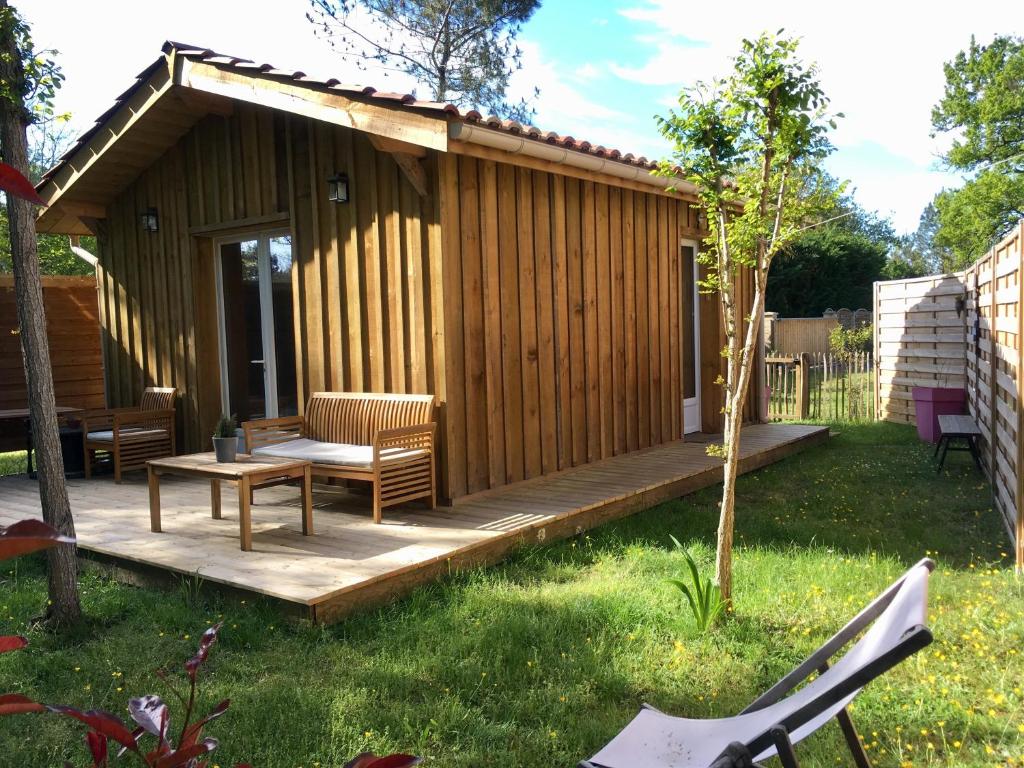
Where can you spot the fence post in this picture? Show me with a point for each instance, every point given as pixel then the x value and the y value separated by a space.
pixel 803 385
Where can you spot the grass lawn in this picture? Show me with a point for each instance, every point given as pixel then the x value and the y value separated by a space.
pixel 539 661
pixel 12 462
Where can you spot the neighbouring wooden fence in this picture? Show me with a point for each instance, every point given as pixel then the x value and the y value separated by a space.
pixel 963 330
pixel 793 335
pixel 74 335
pixel 820 386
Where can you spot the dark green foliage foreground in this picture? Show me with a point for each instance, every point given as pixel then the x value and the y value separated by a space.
pixel 539 661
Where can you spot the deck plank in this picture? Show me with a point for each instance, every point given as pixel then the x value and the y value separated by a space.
pixel 352 562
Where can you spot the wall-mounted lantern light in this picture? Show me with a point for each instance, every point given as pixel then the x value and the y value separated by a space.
pixel 337 188
pixel 149 220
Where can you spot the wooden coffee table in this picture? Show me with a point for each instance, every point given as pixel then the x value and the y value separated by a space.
pixel 247 472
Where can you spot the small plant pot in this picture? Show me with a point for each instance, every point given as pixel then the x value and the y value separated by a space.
pixel 226 449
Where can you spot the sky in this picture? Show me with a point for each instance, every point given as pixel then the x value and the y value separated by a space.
pixel 605 68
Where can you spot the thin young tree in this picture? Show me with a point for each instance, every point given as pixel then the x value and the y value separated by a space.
pixel 28 82
pixel 749 143
pixel 464 51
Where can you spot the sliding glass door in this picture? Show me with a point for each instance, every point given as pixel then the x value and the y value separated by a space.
pixel 257 337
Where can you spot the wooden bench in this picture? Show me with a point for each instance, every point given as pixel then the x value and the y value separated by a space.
pixel 960 428
pixel 132 436
pixel 383 439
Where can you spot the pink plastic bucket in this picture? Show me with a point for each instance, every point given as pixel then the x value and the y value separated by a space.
pixel 932 402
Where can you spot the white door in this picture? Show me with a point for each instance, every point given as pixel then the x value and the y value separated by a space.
pixel 257 341
pixel 691 341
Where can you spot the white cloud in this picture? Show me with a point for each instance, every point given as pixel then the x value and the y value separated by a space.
pixel 881 62
pixel 105 43
pixel 563 107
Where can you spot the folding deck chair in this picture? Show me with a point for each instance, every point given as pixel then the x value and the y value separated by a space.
pixel 783 716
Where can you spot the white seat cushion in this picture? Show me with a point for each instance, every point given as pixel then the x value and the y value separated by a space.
pixel 319 452
pixel 342 454
pixel 107 436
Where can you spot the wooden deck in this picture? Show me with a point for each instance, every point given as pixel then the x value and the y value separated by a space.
pixel 350 562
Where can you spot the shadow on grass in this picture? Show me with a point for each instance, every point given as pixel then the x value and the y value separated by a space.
pixel 873 488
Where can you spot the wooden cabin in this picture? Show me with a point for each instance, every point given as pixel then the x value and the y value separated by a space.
pixel 262 235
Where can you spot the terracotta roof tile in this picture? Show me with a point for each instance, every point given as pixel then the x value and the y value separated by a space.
pixel 407 101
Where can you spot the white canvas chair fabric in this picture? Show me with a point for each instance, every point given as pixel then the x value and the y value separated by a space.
pixel 656 740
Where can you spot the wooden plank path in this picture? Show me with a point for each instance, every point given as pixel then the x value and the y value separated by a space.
pixel 351 562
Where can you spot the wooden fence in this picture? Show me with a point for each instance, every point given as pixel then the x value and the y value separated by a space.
pixel 820 387
pixel 919 341
pixel 995 376
pixel 963 330
pixel 793 335
pixel 74 335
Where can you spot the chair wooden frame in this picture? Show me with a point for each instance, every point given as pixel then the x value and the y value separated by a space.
pixel 400 428
pixel 139 434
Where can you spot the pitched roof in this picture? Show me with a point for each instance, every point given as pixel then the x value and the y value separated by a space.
pixel 407 101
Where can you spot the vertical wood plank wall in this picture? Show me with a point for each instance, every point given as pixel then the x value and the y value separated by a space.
pixel 366 276
pixel 550 332
pixel 563 324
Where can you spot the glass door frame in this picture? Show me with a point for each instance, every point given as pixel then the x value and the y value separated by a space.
pixel 692 404
pixel 262 238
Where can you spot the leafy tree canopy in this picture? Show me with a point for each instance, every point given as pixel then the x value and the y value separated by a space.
pixel 974 217
pixel 464 51
pixel 918 254
pixel 750 143
pixel 982 108
pixel 834 260
pixel 983 105
pixel 828 266
pixel 48 138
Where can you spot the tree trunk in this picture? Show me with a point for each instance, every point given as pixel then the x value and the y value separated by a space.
pixel 62 571
pixel 739 368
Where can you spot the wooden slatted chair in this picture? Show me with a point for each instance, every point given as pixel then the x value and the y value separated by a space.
pixel 383 439
pixel 131 436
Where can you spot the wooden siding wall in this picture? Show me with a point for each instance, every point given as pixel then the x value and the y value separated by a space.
pixel 562 321
pixel 550 333
pixel 73 332
pixel 367 293
pixel 363 273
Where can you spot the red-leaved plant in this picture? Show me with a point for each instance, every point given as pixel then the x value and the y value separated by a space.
pixel 20 539
pixel 370 760
pixel 151 715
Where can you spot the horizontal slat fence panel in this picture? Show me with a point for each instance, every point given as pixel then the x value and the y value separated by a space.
pixel 76 359
pixel 793 335
pixel 963 330
pixel 919 341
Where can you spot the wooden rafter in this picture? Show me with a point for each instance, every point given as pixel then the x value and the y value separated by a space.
pixel 407 157
pixel 389 122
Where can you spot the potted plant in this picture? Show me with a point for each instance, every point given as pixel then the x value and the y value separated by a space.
pixel 225 439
